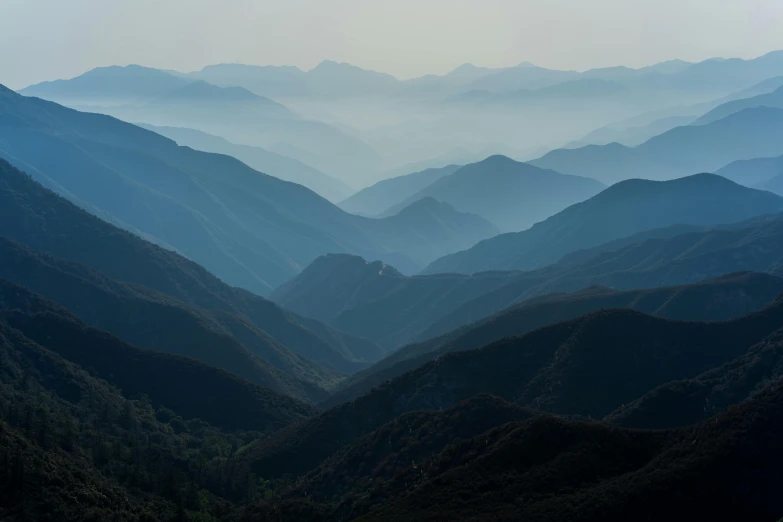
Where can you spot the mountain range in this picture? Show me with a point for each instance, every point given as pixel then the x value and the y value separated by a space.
pixel 141 94
pixel 622 210
pixel 251 229
pixel 747 134
pixel 108 276
pixel 508 193
pixel 618 356
pixel 377 198
pixel 396 310
pixel 277 165
pixel 589 366
pixel 723 298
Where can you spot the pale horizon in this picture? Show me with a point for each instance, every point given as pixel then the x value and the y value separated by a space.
pixel 406 39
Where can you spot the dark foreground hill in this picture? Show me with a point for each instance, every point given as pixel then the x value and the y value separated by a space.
pixel 622 210
pixel 547 468
pixel 588 366
pixel 92 428
pixel 376 199
pixel 713 300
pixel 47 223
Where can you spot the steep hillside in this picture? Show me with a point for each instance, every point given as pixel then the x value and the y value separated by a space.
pixel 148 319
pixel 510 194
pixel 262 160
pixel 716 299
pixel 621 210
pixel 435 226
pixel 48 223
pixel 750 133
pixel 374 200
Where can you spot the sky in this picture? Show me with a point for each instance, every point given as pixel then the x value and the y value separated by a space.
pixel 49 39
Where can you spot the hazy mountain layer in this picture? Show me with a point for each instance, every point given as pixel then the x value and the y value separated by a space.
pixel 621 210
pixel 748 134
pixel 276 165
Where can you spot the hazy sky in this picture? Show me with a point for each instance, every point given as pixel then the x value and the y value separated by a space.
pixel 47 39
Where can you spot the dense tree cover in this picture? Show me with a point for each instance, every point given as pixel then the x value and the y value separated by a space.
pixel 74 447
pixel 725 297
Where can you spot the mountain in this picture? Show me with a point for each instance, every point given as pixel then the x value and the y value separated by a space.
pixel 691 400
pixel 587 366
pixel 723 298
pixel 148 319
pixel 375 299
pixel 548 468
pixel 396 310
pixel 621 210
pixel 108 86
pixel 251 229
pixel 373 200
pixel 276 165
pixel 747 134
pixel 511 194
pixel 576 92
pixel 93 428
pixel 756 172
pixel 327 80
pixel 47 223
pixel 772 99
pixel 231 112
pixel 435 225
pixel 190 388
pixel 774 185
pixel 520 77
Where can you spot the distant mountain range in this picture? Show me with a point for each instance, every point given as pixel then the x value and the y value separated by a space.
pixel 265 161
pixel 550 468
pixel 250 229
pixel 140 94
pixel 621 210
pixel 508 193
pixel 747 134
